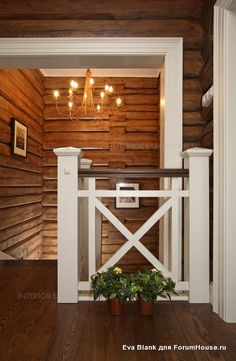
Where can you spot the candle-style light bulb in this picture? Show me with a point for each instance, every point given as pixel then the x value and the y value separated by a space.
pixel 102 94
pixel 110 89
pixel 118 102
pixel 99 108
pixel 107 87
pixel 91 81
pixel 70 105
pixel 56 93
pixel 74 84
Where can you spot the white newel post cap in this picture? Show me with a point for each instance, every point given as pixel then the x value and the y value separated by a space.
pixel 85 163
pixel 68 151
pixel 196 152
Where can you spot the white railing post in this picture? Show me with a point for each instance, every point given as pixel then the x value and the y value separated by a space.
pixel 196 230
pixel 67 264
pixel 91 226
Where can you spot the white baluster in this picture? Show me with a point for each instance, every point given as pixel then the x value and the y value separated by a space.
pixel 176 231
pixel 92 226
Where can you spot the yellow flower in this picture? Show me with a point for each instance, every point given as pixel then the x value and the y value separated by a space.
pixel 117 270
pixel 93 277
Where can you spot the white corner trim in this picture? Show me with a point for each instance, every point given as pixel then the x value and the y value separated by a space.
pixel 68 151
pixel 224 164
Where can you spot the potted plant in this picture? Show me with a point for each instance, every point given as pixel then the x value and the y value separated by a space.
pixel 147 285
pixel 114 286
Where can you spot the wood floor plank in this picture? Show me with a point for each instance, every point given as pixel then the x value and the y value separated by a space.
pixel 36 328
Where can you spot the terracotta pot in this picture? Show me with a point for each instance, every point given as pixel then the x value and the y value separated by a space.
pixel 116 308
pixel 145 307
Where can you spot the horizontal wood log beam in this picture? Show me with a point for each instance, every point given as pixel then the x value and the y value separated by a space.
pixel 101 10
pixel 190 30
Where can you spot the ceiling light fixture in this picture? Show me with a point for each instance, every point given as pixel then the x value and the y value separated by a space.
pixel 102 105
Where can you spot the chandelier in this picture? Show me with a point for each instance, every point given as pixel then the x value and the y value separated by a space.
pixel 100 106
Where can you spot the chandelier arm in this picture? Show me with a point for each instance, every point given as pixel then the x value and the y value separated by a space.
pixel 65 114
pixel 60 112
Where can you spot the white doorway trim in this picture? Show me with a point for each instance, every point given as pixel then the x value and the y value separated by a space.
pixel 39 52
pixel 224 265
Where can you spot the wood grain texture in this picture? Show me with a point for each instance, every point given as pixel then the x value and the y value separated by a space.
pixel 181 18
pixel 45 330
pixel 191 30
pixel 206 80
pixel 106 9
pixel 21 179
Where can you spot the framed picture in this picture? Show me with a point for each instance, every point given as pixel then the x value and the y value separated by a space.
pixel 19 138
pixel 127 202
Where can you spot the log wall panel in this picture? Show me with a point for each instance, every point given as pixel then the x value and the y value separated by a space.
pixel 106 9
pixel 21 178
pixel 14 233
pixel 191 30
pixel 25 248
pixel 207 113
pixel 126 140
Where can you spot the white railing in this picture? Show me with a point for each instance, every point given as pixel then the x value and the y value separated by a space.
pixel 193 281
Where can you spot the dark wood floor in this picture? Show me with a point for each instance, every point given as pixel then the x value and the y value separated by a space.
pixel 33 327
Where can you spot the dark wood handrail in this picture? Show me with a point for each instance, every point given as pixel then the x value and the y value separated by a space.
pixel 133 173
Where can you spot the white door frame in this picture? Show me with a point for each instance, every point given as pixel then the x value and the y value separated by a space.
pixel 224 265
pixel 15 51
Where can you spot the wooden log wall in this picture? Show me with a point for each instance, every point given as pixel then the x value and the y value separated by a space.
pixel 128 139
pixel 21 96
pixel 206 83
pixel 207 72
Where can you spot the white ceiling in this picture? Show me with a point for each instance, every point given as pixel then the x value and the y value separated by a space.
pixel 105 65
pixel 104 61
pixel 119 72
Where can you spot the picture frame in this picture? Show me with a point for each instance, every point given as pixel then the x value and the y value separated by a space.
pixel 19 138
pixel 127 202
